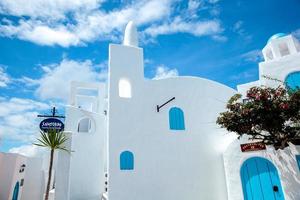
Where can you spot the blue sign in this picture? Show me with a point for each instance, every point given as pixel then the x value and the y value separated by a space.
pixel 52 123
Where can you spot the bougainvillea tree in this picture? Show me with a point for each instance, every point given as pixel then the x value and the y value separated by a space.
pixel 269 115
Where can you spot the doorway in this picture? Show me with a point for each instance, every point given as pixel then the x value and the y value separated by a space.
pixel 260 180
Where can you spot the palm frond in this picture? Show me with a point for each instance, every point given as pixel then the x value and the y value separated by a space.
pixel 53 140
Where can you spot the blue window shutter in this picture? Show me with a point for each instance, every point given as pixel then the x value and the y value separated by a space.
pixel 176 119
pixel 126 160
pixel 298 160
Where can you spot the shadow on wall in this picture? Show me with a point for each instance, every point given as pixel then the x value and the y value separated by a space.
pixel 285 161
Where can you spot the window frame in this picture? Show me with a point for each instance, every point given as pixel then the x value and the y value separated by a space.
pixel 90 125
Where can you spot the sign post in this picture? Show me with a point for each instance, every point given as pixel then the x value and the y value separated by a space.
pixel 52 122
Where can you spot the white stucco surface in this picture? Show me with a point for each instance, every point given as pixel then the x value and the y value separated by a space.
pixel 34 186
pixel 80 175
pixel 279 67
pixel 169 164
pixel 10 174
pixel 202 161
pixel 283 160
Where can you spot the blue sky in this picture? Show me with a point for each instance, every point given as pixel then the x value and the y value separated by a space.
pixel 44 45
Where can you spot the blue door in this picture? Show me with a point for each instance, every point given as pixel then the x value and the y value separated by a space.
pixel 260 180
pixel 16 191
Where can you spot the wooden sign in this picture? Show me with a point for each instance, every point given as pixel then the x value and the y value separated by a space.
pixel 255 146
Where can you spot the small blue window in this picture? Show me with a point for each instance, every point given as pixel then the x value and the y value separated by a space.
pixel 126 160
pixel 176 119
pixel 292 81
pixel 298 160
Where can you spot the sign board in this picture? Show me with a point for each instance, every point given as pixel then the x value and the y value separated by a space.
pixel 52 123
pixel 255 146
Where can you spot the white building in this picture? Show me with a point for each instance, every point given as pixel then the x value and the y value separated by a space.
pixel 21 178
pixel 268 174
pixel 80 175
pixel 158 139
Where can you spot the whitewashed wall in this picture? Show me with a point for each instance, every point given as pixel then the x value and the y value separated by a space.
pixel 9 174
pixel 283 160
pixel 80 175
pixel 33 186
pixel 277 68
pixel 168 164
pixel 34 180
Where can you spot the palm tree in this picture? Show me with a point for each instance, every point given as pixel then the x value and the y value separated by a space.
pixel 54 140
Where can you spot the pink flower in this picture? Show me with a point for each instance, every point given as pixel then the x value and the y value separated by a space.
pixel 284 106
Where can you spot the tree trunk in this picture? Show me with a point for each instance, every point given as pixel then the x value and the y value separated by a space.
pixel 49 175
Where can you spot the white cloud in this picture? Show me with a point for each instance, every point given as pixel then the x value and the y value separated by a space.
pixel 165 72
pixel 237 27
pixel 71 23
pixel 28 150
pixel 252 56
pixel 213 1
pixel 193 5
pixel 4 78
pixel 38 32
pixel 244 75
pixel 220 38
pixel 55 83
pixel 296 33
pixel 18 118
pixel 18 105
pixel 54 9
pixel 210 27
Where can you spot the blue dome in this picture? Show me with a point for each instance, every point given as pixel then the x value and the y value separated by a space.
pixel 277 35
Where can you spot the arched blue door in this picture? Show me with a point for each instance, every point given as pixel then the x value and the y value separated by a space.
pixel 16 191
pixel 260 180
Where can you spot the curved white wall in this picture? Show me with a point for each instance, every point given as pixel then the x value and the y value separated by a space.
pixel 169 164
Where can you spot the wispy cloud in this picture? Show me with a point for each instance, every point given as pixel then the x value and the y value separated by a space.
pixel 54 9
pixel 4 77
pixel 198 28
pixel 296 33
pixel 56 81
pixel 238 28
pixel 18 118
pixel 245 75
pixel 28 150
pixel 252 56
pixel 163 71
pixel 72 23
